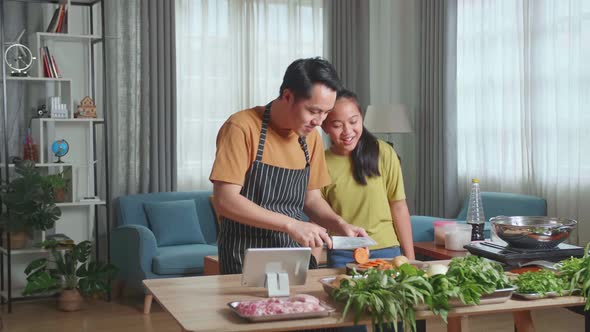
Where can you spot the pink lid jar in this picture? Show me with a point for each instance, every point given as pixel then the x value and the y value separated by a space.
pixel 439 232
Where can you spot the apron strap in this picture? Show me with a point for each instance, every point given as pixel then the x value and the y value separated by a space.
pixel 265 120
pixel 303 144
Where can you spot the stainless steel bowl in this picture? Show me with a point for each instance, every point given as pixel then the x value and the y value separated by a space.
pixel 533 232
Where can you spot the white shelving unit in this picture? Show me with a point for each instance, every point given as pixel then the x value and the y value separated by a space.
pixel 75 53
pixel 38 79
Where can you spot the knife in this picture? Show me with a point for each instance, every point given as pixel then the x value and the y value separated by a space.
pixel 349 242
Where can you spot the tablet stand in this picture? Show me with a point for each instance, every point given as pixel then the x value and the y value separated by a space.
pixel 277 284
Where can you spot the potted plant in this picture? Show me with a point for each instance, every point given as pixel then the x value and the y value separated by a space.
pixel 59 184
pixel 69 270
pixel 28 204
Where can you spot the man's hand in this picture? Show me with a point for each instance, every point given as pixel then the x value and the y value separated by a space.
pixel 351 230
pixel 308 234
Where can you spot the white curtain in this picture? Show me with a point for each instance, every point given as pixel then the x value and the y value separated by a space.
pixel 523 84
pixel 232 55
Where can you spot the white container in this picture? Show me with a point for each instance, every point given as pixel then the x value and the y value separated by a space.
pixel 457 236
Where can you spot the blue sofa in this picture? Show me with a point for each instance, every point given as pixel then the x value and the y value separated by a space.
pixel 494 204
pixel 134 247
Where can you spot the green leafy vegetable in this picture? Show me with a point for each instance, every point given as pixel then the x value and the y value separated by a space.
pixel 389 296
pixel 475 276
pixel 442 290
pixel 577 271
pixel 542 282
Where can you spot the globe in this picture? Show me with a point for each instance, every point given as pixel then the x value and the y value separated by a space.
pixel 60 148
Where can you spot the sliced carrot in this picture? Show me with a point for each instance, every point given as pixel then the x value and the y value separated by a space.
pixel 360 255
pixel 385 266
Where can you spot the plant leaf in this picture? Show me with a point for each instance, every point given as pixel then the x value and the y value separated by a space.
pixel 35 265
pixel 40 283
pixel 82 251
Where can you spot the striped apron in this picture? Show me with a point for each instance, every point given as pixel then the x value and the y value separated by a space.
pixel 277 189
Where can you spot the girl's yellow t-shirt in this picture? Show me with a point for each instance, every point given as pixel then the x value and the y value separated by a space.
pixel 367 205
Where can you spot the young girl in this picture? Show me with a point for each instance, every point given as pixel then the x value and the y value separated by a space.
pixel 367 187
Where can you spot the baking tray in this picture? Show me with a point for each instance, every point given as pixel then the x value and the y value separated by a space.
pixel 234 304
pixel 537 296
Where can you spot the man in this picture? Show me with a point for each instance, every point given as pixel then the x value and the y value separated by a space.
pixel 270 166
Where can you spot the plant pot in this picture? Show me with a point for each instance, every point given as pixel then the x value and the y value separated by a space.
pixel 69 300
pixel 59 195
pixel 18 240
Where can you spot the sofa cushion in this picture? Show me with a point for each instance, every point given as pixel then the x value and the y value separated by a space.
pixel 174 222
pixel 183 259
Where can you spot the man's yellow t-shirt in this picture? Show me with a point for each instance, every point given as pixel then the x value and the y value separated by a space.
pixel 367 205
pixel 237 145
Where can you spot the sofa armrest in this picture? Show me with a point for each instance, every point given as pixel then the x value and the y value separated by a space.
pixel 422 228
pixel 133 248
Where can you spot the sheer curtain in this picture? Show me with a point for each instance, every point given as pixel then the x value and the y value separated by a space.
pixel 523 87
pixel 232 55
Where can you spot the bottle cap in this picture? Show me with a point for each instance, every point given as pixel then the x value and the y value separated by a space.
pixel 475 180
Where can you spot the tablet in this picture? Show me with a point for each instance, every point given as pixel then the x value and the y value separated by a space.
pixel 260 263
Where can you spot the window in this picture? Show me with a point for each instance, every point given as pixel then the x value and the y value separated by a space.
pixel 523 88
pixel 231 55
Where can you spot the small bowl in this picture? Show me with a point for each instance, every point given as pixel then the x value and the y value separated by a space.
pixel 533 232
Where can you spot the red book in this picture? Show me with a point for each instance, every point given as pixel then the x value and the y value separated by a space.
pixel 62 9
pixel 50 62
pixel 45 64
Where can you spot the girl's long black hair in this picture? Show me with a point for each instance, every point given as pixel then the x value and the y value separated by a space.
pixel 365 156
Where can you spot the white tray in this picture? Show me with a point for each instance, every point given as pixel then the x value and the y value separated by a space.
pixel 536 296
pixel 499 296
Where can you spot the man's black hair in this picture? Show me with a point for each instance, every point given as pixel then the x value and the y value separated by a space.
pixel 302 74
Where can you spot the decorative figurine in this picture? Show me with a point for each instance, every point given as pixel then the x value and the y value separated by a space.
pixel 86 109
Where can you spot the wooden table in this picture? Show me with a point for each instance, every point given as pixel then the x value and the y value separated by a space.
pixel 429 249
pixel 200 304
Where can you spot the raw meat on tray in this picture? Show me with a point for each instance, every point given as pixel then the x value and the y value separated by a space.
pixel 301 303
